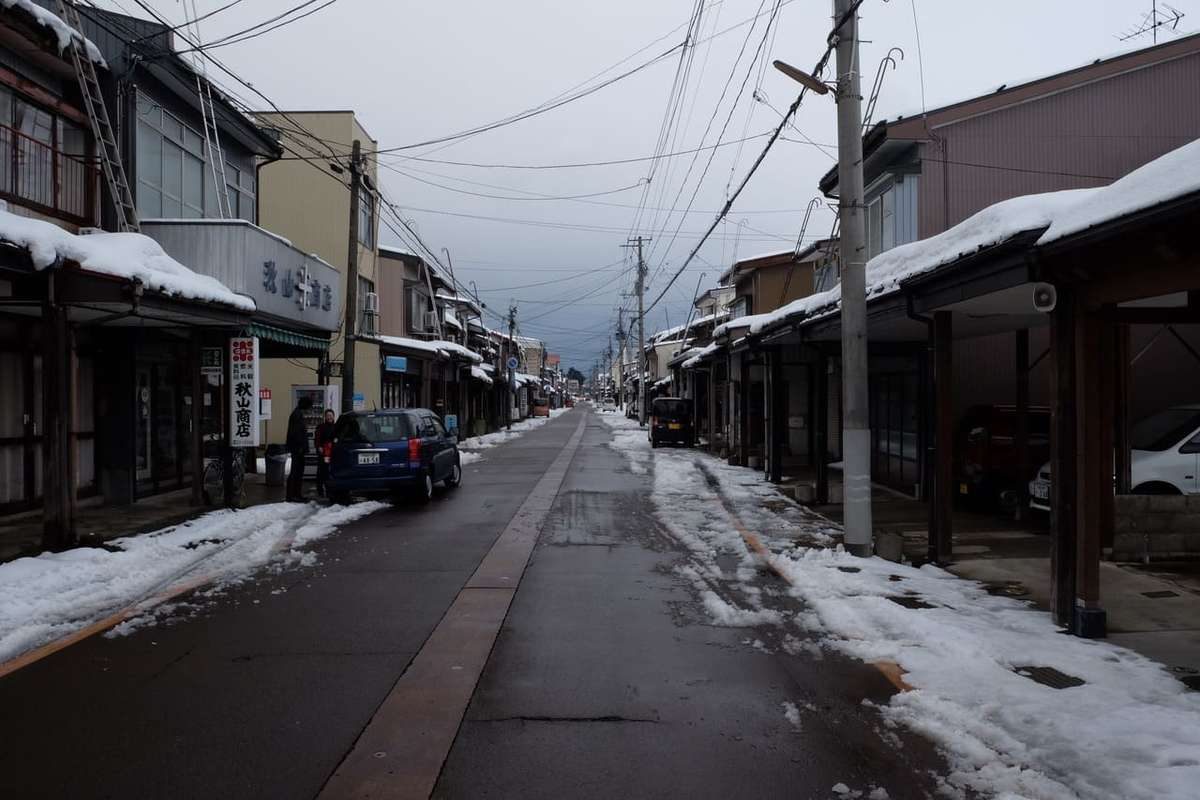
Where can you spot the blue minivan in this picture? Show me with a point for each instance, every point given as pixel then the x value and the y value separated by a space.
pixel 392 452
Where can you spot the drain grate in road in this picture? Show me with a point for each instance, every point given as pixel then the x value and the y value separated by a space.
pixel 1160 594
pixel 908 601
pixel 1049 676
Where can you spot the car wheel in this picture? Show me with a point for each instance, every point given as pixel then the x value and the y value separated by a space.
pixel 425 488
pixel 454 479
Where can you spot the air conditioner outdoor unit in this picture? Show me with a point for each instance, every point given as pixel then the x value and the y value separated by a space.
pixel 431 320
pixel 371 303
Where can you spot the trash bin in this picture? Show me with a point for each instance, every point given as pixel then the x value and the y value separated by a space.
pixel 276 463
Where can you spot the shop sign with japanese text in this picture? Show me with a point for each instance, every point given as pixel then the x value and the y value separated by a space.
pixel 243 392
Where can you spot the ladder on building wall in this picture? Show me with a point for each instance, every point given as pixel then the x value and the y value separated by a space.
pixel 102 130
pixel 212 134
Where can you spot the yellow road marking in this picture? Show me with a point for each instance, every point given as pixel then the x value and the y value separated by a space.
pixel 890 670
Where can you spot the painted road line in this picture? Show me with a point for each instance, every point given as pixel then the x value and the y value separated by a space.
pixel 401 751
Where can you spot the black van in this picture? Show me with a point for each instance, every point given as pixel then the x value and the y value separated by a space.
pixel 671 421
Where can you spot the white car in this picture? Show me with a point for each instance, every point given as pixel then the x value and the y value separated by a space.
pixel 1164 457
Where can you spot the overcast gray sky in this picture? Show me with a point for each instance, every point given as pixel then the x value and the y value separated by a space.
pixel 414 71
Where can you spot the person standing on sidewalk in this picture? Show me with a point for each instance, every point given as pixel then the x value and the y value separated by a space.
pixel 297 447
pixel 323 439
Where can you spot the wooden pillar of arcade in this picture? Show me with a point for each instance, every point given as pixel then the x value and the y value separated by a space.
pixel 941 499
pixel 820 427
pixel 58 416
pixel 775 400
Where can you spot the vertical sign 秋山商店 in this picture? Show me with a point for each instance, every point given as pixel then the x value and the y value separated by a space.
pixel 243 391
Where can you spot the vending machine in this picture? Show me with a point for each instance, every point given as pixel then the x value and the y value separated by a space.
pixel 322 397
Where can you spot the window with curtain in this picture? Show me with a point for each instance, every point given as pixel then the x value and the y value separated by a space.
pixel 366 218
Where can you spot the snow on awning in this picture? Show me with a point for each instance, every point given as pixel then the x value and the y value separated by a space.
pixel 418 345
pixel 122 255
pixel 992 226
pixel 1171 176
pixel 457 350
pixel 478 374
pixel 702 355
pixel 64 32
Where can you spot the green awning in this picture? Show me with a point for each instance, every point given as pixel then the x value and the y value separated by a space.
pixel 273 334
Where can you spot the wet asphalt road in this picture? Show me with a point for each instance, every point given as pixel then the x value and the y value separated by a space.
pixel 605 681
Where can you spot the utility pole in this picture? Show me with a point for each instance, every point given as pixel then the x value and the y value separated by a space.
pixel 350 325
pixel 856 432
pixel 512 345
pixel 641 320
pixel 620 379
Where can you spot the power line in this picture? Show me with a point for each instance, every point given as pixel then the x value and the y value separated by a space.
pixel 253 29
pixel 816 72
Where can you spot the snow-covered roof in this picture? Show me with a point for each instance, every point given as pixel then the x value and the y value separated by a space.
pixel 383 248
pixel 412 344
pixel 58 26
pixel 479 374
pixel 456 349
pixel 700 355
pixel 123 255
pixel 884 273
pixel 451 319
pixel 1166 178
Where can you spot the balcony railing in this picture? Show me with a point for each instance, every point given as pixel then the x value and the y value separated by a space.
pixel 34 173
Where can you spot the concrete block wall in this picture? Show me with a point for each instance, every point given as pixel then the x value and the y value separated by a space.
pixel 1160 527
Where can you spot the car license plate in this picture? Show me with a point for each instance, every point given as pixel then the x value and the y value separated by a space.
pixel 368 458
pixel 674 426
pixel 1040 490
pixel 963 489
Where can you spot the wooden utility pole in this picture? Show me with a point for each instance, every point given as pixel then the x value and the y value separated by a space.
pixel 350 324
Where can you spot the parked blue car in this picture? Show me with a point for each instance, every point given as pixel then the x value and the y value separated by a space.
pixel 392 452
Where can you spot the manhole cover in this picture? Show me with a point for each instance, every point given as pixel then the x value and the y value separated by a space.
pixel 1049 676
pixel 1160 594
pixel 909 601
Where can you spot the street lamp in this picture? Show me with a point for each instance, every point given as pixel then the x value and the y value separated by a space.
pixel 801 77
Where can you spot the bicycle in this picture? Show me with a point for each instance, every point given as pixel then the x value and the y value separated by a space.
pixel 213 481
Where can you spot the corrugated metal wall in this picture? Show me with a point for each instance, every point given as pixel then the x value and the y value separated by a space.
pixel 1080 137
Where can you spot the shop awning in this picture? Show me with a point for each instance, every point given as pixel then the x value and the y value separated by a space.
pixel 290 338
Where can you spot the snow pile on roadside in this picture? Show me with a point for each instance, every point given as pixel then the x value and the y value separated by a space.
pixel 468 449
pixel 49 596
pixel 1131 730
pixel 122 255
pixel 629 439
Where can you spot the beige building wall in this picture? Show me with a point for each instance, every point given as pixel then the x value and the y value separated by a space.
pixel 309 204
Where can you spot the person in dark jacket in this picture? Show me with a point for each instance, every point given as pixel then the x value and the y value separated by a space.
pixel 323 439
pixel 297 447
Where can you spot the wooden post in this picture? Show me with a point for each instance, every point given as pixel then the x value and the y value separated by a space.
pixel 1022 432
pixel 820 425
pixel 942 500
pixel 1093 460
pixel 743 401
pixel 1107 360
pixel 197 417
pixel 58 480
pixel 1062 459
pixel 1121 387
pixel 776 402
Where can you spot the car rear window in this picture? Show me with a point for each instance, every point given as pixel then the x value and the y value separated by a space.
pixel 373 427
pixel 671 409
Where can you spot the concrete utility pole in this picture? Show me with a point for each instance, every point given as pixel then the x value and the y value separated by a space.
pixel 350 325
pixel 512 346
pixel 641 320
pixel 856 431
pixel 620 379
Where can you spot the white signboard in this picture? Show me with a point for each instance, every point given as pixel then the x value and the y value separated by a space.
pixel 243 392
